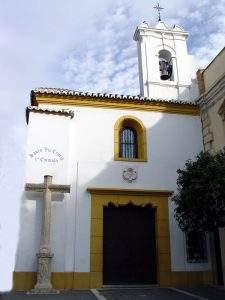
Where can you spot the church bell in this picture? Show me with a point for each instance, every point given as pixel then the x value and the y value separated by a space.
pixel 166 69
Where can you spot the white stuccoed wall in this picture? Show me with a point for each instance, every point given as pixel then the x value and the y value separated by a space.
pixel 45 133
pixel 86 143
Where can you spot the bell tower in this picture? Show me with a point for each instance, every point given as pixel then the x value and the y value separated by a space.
pixel 165 67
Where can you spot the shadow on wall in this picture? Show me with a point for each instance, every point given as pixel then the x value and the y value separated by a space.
pixel 170 142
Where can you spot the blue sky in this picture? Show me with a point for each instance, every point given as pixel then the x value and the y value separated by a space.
pixel 83 45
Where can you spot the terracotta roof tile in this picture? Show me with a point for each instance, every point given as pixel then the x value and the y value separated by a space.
pixel 64 112
pixel 67 92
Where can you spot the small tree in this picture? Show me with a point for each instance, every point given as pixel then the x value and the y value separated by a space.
pixel 200 201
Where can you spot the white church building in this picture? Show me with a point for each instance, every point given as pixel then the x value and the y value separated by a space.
pixel 113 161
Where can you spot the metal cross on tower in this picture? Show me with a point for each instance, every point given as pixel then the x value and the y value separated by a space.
pixel 159 8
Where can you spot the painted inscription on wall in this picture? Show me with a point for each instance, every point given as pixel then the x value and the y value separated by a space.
pixel 46 155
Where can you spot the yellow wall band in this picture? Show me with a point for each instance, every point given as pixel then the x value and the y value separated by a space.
pixel 70 280
pixel 170 107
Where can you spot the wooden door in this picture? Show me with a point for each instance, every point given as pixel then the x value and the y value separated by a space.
pixel 129 247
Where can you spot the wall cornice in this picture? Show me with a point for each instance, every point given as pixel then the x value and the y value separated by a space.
pixel 60 112
pixel 140 192
pixel 73 98
pixel 141 31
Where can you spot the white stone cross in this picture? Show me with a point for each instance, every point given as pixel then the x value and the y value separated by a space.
pixel 44 255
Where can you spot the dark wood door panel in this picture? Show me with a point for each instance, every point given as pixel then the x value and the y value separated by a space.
pixel 129 245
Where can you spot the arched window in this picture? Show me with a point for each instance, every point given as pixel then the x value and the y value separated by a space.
pixel 165 65
pixel 130 139
pixel 128 142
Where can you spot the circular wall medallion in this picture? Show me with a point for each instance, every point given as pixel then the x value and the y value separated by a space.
pixel 130 174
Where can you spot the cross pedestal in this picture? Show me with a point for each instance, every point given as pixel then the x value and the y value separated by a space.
pixel 44 256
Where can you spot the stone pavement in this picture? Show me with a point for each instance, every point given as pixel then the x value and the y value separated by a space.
pixel 216 293
pixel 153 293
pixel 71 295
pixel 142 294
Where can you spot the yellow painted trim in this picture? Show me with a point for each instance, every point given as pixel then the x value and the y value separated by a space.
pixel 158 200
pixel 173 108
pixel 60 280
pixel 141 137
pixel 23 281
pixel 130 159
pixel 134 192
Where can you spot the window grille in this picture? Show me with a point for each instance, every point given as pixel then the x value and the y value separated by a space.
pixel 196 247
pixel 128 143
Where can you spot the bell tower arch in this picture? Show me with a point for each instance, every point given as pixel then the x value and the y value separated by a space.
pixel 165 67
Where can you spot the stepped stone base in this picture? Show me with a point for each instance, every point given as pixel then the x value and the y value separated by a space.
pixel 43 291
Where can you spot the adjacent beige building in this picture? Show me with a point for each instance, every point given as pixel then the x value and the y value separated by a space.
pixel 211 83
